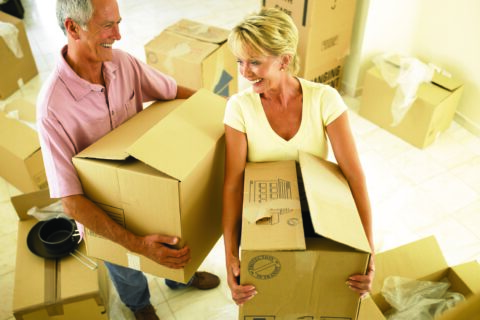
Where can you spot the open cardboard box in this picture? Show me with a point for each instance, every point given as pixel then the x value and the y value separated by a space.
pixel 15 70
pixel 430 114
pixel 53 288
pixel 196 55
pixel 325 32
pixel 298 277
pixel 21 162
pixel 421 260
pixel 161 172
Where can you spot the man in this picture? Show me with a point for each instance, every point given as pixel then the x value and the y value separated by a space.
pixel 93 90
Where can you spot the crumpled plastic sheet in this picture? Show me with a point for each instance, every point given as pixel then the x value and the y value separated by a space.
pixel 418 300
pixel 406 74
pixel 9 33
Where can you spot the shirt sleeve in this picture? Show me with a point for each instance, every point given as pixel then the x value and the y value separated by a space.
pixel 154 84
pixel 333 105
pixel 57 152
pixel 234 117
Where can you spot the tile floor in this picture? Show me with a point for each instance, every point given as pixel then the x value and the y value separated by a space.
pixel 414 192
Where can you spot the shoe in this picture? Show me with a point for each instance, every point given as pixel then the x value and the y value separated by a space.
pixel 146 313
pixel 205 280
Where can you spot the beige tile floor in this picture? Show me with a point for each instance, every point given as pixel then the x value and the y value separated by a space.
pixel 414 192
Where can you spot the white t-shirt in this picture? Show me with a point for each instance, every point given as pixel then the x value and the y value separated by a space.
pixel 322 104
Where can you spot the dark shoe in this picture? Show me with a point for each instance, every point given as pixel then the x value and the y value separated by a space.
pixel 205 280
pixel 146 313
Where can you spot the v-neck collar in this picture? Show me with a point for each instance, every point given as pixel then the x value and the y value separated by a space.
pixel 267 123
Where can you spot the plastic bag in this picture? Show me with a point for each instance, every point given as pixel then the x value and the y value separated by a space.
pixel 406 74
pixel 9 33
pixel 419 300
pixel 54 210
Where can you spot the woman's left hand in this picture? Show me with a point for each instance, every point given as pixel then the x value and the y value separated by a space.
pixel 362 283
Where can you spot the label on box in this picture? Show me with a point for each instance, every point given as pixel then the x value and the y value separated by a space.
pixel 133 261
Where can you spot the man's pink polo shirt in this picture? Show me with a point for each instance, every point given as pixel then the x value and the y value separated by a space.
pixel 73 113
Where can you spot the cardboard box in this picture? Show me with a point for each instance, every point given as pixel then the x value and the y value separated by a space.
pixel 53 288
pixel 21 162
pixel 300 277
pixel 421 260
pixel 469 310
pixel 430 114
pixel 15 70
pixel 325 32
pixel 196 55
pixel 161 172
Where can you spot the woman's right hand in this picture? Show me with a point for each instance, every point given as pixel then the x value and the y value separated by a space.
pixel 240 293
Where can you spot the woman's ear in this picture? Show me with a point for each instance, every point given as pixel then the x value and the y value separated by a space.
pixel 286 59
pixel 72 28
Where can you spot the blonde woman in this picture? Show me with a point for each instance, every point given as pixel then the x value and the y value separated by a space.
pixel 272 120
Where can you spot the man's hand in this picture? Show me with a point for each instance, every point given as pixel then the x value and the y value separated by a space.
pixel 159 249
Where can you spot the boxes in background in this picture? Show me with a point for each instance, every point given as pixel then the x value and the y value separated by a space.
pixel 21 162
pixel 161 172
pixel 196 55
pixel 15 70
pixel 420 260
pixel 431 113
pixel 53 288
pixel 325 32
pixel 296 276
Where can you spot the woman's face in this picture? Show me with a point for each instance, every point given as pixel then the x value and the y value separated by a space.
pixel 263 72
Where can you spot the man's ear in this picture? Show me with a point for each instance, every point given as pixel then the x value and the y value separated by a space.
pixel 72 28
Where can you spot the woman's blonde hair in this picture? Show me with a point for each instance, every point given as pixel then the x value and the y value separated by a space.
pixel 269 32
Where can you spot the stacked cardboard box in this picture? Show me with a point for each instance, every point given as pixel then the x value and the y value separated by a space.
pixel 161 172
pixel 196 55
pixel 300 277
pixel 430 114
pixel 420 260
pixel 325 32
pixel 17 65
pixel 21 162
pixel 53 288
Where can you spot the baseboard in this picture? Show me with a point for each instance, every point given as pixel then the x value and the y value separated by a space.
pixel 467 124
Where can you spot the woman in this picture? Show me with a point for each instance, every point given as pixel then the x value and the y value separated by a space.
pixel 279 115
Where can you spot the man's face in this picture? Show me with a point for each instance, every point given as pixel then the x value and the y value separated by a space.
pixel 102 31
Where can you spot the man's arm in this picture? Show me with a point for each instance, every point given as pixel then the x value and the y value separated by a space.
pixel 184 92
pixel 154 247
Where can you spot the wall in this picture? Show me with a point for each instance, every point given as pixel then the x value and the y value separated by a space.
pixel 443 32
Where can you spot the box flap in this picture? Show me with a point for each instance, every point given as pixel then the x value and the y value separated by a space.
pixel 332 207
pixel 114 145
pixel 272 217
pixel 467 310
pixel 24 202
pixel 18 135
pixel 199 31
pixel 448 83
pixel 414 260
pixel 176 144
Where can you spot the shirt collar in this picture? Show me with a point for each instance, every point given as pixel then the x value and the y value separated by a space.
pixel 77 86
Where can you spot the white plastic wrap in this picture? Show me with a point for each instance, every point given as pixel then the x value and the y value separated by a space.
pixel 406 74
pixel 9 33
pixel 419 300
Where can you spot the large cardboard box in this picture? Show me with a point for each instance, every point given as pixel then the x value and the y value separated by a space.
pixel 53 288
pixel 300 277
pixel 196 55
pixel 15 70
pixel 21 162
pixel 421 260
pixel 431 113
pixel 161 172
pixel 325 32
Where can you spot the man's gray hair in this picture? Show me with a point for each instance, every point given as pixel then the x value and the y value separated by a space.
pixel 80 11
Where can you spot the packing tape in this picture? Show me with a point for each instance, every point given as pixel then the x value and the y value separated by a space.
pixel 133 261
pixel 179 50
pixel 52 287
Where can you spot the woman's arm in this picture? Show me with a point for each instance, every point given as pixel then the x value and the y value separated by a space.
pixel 235 161
pixel 346 154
